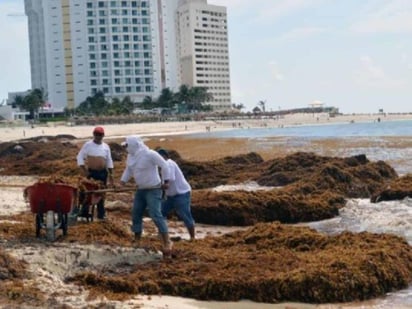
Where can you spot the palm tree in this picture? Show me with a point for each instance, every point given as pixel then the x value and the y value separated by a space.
pixel 148 102
pixel 127 106
pixel 262 104
pixel 238 107
pixel 199 96
pixel 183 96
pixel 31 102
pixel 166 98
pixel 18 101
pixel 99 104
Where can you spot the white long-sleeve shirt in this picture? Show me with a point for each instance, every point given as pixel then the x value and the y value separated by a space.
pixel 177 181
pixel 145 170
pixel 90 148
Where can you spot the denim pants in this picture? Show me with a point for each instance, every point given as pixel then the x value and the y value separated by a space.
pixel 181 203
pixel 152 200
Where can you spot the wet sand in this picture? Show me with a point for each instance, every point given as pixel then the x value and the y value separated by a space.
pixel 12 200
pixel 10 132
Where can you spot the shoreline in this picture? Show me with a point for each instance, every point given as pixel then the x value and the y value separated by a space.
pixel 15 132
pixel 158 129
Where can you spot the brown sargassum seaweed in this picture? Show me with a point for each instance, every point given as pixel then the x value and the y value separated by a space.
pixel 268 262
pixel 397 189
pixel 12 285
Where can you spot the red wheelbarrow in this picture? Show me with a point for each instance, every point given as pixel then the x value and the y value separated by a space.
pixel 51 203
pixel 90 194
pixel 88 199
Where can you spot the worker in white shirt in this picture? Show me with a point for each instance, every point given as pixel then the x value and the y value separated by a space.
pixel 178 195
pixel 95 161
pixel 143 165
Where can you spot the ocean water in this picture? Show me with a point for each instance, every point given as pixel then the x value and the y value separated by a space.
pixel 336 130
pixel 394 217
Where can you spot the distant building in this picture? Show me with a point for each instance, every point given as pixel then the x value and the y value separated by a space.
pixel 203 49
pixel 10 112
pixel 126 48
pixel 12 96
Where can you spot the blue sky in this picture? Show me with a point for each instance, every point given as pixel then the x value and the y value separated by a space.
pixel 355 55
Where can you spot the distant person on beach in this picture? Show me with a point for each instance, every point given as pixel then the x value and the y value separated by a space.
pixel 95 161
pixel 143 165
pixel 178 195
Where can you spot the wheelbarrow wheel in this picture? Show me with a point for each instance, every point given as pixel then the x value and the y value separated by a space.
pixel 38 224
pixel 64 224
pixel 50 225
pixel 91 215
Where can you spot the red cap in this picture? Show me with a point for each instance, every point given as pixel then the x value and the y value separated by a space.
pixel 98 130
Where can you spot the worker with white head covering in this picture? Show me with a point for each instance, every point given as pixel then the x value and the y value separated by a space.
pixel 143 165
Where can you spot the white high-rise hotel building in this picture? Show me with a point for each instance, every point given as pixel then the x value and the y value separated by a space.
pixel 127 48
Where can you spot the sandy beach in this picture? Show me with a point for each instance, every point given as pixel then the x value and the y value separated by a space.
pixel 12 132
pixel 52 265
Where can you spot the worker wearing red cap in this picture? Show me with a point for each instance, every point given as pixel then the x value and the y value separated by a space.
pixel 95 161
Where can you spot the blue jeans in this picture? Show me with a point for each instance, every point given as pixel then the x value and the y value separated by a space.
pixel 181 203
pixel 152 200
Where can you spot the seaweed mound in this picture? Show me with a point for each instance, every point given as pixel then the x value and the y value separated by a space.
pixel 283 263
pixel 397 189
pixel 353 176
pixel 203 175
pixel 13 290
pixel 242 208
pixel 10 268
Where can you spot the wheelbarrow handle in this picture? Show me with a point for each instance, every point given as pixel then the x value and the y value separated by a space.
pixel 111 190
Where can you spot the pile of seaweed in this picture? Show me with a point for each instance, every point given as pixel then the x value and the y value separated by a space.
pixel 12 287
pixel 243 208
pixel 397 189
pixel 300 264
pixel 46 155
pixel 312 187
pixel 10 268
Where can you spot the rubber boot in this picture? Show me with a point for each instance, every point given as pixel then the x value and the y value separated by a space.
pixel 136 240
pixel 166 244
pixel 191 232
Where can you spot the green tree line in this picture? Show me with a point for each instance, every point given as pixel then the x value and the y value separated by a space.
pixel 187 99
